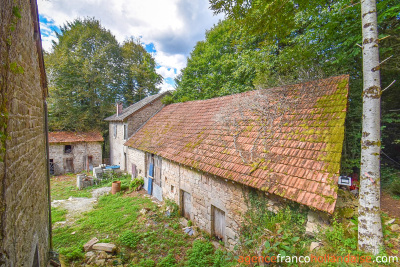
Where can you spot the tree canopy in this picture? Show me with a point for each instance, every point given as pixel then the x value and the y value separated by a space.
pixel 316 39
pixel 89 71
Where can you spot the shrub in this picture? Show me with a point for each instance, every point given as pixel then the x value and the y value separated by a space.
pixel 136 183
pixel 173 207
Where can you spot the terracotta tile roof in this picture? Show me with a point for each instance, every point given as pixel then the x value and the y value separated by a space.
pixel 72 137
pixel 126 112
pixel 286 141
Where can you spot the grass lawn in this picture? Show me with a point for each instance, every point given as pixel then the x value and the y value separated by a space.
pixel 149 239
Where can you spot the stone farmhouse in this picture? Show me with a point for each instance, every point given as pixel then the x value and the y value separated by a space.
pixel 25 228
pixel 283 143
pixel 74 152
pixel 127 121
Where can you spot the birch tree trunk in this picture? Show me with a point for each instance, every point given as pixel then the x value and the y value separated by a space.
pixel 370 237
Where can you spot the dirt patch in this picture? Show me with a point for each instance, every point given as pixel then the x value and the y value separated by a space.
pixel 390 205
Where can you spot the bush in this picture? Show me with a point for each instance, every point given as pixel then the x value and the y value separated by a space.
pixel 130 239
pixel 136 183
pixel 173 207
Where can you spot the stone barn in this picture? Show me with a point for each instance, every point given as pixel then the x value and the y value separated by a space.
pixel 128 120
pixel 285 143
pixel 74 152
pixel 25 228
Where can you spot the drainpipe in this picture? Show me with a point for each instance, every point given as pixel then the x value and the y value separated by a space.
pixel 46 134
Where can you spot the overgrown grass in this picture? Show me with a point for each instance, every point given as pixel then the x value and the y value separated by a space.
pixel 283 233
pixel 58 214
pixel 63 187
pixel 155 238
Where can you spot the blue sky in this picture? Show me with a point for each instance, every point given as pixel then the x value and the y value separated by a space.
pixel 168 29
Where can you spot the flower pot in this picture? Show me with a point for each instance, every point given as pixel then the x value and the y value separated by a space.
pixel 116 187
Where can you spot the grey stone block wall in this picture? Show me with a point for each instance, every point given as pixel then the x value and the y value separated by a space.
pixel 24 202
pixel 133 122
pixel 79 151
pixel 136 157
pixel 206 192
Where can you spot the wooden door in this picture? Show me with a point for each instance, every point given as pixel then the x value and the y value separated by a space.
pixel 134 175
pixel 219 223
pixel 90 160
pixel 69 165
pixel 157 170
pixel 125 162
pixel 150 164
pixel 186 205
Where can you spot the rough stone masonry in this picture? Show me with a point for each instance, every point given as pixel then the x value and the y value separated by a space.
pixel 24 211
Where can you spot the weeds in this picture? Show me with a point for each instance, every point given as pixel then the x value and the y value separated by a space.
pixel 136 184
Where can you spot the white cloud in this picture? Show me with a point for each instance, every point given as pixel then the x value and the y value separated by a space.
pixel 167 87
pixel 167 72
pixel 173 26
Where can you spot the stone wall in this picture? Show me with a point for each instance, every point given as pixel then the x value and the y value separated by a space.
pixel 23 169
pixel 207 192
pixel 134 122
pixel 136 157
pixel 78 154
pixel 117 148
pixel 137 119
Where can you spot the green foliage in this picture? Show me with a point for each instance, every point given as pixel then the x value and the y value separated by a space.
pixel 283 244
pixel 140 78
pixel 268 43
pixel 172 207
pixel 58 214
pixel 201 254
pixel 335 233
pixel 89 71
pixel 136 183
pixel 146 263
pixel 395 188
pixel 167 261
pixel 223 64
pixel 72 253
pixel 130 239
pixel 281 233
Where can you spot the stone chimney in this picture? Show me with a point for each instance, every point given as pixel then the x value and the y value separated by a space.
pixel 119 109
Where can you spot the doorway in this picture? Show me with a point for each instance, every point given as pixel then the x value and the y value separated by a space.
pixel 218 223
pixel 186 204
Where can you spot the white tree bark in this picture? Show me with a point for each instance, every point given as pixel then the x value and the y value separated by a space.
pixel 370 237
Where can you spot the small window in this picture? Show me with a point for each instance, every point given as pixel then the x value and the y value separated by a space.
pixel 172 189
pixel 115 131
pixel 125 131
pixel 67 149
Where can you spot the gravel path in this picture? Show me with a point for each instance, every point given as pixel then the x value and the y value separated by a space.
pixel 77 205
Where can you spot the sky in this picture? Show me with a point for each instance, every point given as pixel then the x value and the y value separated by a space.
pixel 168 29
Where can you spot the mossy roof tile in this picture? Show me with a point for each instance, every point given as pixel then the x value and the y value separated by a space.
pixel 300 160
